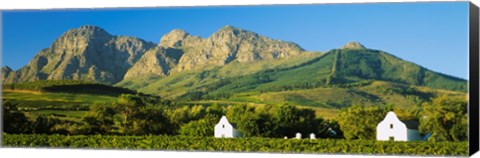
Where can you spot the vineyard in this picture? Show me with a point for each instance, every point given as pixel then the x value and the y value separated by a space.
pixel 182 143
pixel 67 86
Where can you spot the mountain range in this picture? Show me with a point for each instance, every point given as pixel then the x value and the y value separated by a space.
pixel 231 61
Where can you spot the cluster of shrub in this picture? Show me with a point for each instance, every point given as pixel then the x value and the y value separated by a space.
pixel 445 118
pixel 142 115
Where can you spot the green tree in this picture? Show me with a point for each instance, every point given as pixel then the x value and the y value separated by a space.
pixel 331 129
pixel 203 127
pixel 358 122
pixel 445 118
pixel 127 107
pixel 276 121
pixel 250 121
pixel 14 121
pixel 99 120
pixel 151 120
pixel 185 114
pixel 290 120
pixel 44 125
pixel 216 110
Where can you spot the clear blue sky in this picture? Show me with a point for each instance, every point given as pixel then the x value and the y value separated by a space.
pixel 433 35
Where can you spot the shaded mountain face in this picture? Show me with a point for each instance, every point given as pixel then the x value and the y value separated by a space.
pixel 155 62
pixel 6 73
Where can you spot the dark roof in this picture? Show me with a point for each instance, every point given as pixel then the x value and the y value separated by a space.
pixel 412 124
pixel 234 125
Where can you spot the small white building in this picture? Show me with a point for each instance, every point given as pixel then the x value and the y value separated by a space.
pixel 391 128
pixel 298 136
pixel 225 130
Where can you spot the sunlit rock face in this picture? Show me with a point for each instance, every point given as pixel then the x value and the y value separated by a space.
pixel 85 53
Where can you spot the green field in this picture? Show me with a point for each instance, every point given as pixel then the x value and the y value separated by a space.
pixel 60 114
pixel 325 101
pixel 64 106
pixel 182 143
pixel 37 99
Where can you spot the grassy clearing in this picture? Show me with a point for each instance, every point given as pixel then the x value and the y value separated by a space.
pixel 220 102
pixel 60 113
pixel 64 106
pixel 326 113
pixel 36 99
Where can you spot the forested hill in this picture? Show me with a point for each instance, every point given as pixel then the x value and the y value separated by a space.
pixel 345 67
pixel 354 64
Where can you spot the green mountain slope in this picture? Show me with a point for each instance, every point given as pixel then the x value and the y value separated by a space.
pixel 341 68
pixel 179 84
pixel 379 93
pixel 357 64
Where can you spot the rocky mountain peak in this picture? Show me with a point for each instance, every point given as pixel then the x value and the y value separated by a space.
pixel 231 36
pixel 232 44
pixel 85 53
pixel 81 37
pixel 353 45
pixel 174 38
pixel 229 30
pixel 91 27
pixel 88 31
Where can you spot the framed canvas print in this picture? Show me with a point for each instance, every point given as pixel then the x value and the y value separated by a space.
pixel 357 78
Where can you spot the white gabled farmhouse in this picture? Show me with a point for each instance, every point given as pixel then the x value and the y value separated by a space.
pixel 225 130
pixel 391 128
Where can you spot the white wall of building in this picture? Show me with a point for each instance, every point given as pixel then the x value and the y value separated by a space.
pixel 391 128
pixel 225 130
